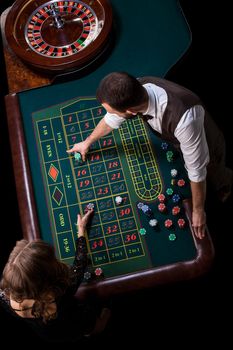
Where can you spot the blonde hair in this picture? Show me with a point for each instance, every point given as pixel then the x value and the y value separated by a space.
pixel 34 272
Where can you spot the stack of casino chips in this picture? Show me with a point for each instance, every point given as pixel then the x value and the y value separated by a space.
pixel 172 237
pixel 170 156
pixel 140 205
pixel 164 146
pixel 142 231
pixel 165 202
pixel 168 223
pixel 161 198
pixel 176 198
pixel 89 206
pixel 118 200
pixel 175 210
pixel 181 223
pixel 148 212
pixel 174 173
pixel 162 207
pixel 173 182
pixel 169 191
pixel 78 157
pixel 153 222
pixel 181 182
pixel 87 275
pixel 98 271
pixel 145 209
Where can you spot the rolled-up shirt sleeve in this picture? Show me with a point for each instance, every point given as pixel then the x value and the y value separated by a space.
pixel 191 135
pixel 113 120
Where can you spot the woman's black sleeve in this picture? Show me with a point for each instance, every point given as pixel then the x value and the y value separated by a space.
pixel 80 262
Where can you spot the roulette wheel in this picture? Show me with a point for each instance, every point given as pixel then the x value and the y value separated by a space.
pixel 58 36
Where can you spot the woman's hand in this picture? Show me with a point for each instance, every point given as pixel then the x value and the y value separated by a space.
pixel 82 222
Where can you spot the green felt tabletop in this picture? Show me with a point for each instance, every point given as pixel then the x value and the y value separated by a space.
pixel 149 38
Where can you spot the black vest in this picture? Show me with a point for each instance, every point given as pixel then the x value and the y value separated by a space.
pixel 180 100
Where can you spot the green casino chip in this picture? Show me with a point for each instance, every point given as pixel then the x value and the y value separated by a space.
pixel 172 237
pixel 142 231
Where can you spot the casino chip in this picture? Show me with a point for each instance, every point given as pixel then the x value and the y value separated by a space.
pixel 146 210
pixel 174 172
pixel 77 156
pixel 90 206
pixel 181 183
pixel 164 146
pixel 176 210
pixel 173 182
pixel 168 223
pixel 181 223
pixel 118 200
pixel 142 231
pixel 169 191
pixel 170 156
pixel 172 237
pixel 98 271
pixel 140 205
pixel 162 207
pixel 176 198
pixel 161 197
pixel 87 275
pixel 153 222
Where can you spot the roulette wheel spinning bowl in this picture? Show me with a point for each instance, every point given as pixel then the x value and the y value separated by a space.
pixel 59 36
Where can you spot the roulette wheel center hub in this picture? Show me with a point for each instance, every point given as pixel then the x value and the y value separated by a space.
pixel 66 34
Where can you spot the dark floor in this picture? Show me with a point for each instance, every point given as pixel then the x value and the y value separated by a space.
pixel 197 309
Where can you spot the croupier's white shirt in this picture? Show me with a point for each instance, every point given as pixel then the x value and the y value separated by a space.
pixel 189 132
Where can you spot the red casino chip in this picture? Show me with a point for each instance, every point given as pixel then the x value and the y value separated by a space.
pixel 181 223
pixel 181 183
pixel 168 223
pixel 162 207
pixel 176 210
pixel 161 197
pixel 98 271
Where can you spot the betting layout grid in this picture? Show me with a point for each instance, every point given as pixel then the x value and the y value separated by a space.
pixel 114 232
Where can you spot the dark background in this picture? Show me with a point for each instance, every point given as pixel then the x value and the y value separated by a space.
pixel 170 314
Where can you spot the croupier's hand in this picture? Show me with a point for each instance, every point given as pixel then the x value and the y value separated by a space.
pixel 81 147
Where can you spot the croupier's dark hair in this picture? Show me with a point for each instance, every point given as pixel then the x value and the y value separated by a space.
pixel 121 91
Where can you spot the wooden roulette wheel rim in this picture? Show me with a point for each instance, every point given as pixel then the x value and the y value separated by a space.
pixel 58 36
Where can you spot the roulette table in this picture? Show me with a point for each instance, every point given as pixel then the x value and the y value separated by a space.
pixel 53 187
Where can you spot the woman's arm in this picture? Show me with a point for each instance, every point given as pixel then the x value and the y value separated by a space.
pixel 80 260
